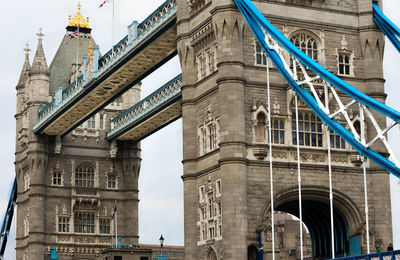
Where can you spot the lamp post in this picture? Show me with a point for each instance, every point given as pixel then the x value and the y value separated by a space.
pixel 161 244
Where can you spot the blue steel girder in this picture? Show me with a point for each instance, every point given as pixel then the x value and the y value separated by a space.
pixel 147 46
pixel 8 216
pixel 152 113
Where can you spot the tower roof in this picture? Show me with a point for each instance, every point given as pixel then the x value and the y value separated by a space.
pixel 64 62
pixel 25 69
pixel 39 64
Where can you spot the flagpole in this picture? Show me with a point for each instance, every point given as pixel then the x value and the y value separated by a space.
pixel 77 58
pixel 116 225
pixel 113 5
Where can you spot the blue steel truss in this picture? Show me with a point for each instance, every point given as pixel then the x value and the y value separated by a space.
pixel 387 26
pixel 272 42
pixel 99 67
pixel 391 255
pixel 8 216
pixel 161 98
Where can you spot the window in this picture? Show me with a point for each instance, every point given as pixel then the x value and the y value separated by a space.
pixel 102 121
pixel 203 140
pixel 278 131
pixel 84 176
pixel 202 66
pixel 91 122
pixel 63 224
pixel 218 187
pixel 261 56
pixel 104 225
pixel 310 129
pixel 111 181
pixel 84 222
pixel 212 136
pixel 336 140
pixel 211 232
pixel 57 178
pixel 306 44
pixel 344 64
pixel 211 61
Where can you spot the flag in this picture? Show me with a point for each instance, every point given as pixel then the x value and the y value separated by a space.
pixel 115 210
pixel 104 2
pixel 73 35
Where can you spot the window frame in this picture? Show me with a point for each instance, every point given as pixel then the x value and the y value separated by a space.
pixel 81 223
pixel 84 175
pixel 303 131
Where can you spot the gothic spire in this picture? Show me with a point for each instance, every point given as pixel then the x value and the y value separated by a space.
pixel 25 68
pixel 39 65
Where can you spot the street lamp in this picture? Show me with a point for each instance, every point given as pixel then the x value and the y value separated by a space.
pixel 161 244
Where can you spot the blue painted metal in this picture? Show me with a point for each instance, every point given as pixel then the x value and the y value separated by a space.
pixel 8 216
pixel 168 94
pixel 119 242
pixel 147 31
pixel 387 26
pixel 260 253
pixel 256 20
pixel 53 254
pixel 381 255
pixel 354 244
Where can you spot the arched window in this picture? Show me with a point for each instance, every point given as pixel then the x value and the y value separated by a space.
pixel 211 255
pixel 91 122
pixel 344 64
pixel 260 128
pixel 261 56
pixel 251 252
pixel 306 44
pixel 84 175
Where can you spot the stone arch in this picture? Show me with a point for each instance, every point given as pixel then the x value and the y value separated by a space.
pixel 316 216
pixel 211 254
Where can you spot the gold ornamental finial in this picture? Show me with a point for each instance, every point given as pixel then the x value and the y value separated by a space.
pixel 78 20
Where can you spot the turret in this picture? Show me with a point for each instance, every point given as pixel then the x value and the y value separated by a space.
pixel 37 89
pixel 23 78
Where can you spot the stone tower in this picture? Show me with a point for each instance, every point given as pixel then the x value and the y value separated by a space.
pixel 224 109
pixel 69 186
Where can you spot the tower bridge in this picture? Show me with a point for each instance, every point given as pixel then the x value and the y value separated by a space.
pixel 282 106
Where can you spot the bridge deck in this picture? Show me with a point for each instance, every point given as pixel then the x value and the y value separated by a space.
pixel 150 114
pixel 146 48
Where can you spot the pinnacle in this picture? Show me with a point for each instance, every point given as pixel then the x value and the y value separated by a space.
pixel 39 64
pixel 25 69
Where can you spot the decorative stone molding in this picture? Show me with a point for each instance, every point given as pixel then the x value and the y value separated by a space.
pixel 316 3
pixel 195 5
pixel 113 149
pixel 57 145
pixel 260 152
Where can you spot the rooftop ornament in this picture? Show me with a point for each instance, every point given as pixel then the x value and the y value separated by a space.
pixel 78 20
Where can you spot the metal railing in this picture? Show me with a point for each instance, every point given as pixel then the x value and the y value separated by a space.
pixel 390 255
pixel 163 95
pixel 136 36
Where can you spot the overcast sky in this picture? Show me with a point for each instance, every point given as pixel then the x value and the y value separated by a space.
pixel 161 194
